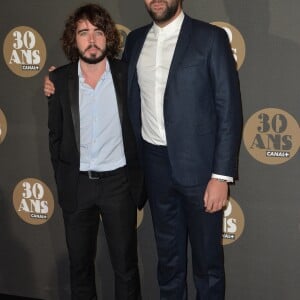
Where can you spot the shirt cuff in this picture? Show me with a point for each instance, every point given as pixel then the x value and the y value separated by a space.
pixel 227 178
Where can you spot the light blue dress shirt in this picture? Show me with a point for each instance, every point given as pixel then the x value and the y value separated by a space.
pixel 101 142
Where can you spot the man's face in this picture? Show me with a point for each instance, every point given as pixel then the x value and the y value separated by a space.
pixel 162 11
pixel 91 42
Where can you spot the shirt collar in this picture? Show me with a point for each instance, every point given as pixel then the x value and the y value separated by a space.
pixel 80 76
pixel 172 27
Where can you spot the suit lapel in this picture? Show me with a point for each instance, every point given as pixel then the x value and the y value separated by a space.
pixel 73 89
pixel 136 54
pixel 118 84
pixel 181 45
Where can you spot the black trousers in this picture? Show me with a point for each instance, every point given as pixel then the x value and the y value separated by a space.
pixel 110 197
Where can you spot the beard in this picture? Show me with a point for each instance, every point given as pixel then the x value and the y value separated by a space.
pixel 93 59
pixel 167 14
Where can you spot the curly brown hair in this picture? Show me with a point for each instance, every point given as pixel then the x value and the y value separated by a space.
pixel 100 18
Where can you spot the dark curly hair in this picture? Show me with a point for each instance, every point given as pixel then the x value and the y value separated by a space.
pixel 100 18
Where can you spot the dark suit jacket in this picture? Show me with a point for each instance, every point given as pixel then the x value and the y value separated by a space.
pixel 202 107
pixel 64 133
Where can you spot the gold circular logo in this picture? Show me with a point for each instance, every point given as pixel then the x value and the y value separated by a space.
pixel 236 40
pixel 24 51
pixel 233 222
pixel 272 136
pixel 123 31
pixel 3 126
pixel 33 201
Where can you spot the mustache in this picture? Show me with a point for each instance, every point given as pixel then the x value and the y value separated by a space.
pixel 92 46
pixel 158 1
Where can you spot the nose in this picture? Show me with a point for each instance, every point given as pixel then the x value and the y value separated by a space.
pixel 91 38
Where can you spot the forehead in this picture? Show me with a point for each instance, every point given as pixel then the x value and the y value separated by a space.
pixel 85 24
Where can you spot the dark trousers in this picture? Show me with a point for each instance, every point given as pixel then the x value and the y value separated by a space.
pixel 109 197
pixel 178 215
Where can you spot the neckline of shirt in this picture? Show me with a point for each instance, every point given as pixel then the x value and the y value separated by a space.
pixel 81 78
pixel 172 27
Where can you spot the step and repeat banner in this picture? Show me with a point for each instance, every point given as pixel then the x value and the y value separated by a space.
pixel 261 232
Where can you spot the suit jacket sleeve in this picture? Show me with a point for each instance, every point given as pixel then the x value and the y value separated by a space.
pixel 54 123
pixel 227 105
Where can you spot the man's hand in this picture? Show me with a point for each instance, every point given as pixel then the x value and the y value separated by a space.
pixel 215 196
pixel 49 88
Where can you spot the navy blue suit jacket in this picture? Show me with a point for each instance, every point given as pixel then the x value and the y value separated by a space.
pixel 202 105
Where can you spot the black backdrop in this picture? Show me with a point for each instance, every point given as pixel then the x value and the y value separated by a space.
pixel 262 224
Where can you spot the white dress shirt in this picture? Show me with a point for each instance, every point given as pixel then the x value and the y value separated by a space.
pixel 153 70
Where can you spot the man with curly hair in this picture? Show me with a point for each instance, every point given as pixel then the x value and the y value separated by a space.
pixel 94 155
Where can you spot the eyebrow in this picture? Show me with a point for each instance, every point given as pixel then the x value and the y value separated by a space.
pixel 86 29
pixel 81 30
